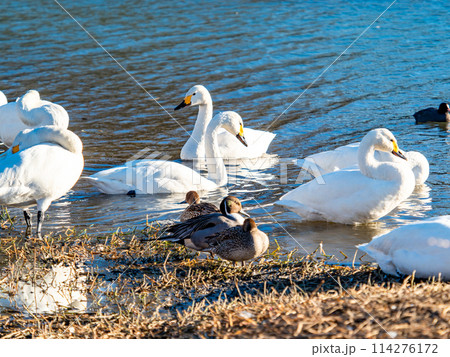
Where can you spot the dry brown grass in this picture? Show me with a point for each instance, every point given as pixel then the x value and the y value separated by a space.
pixel 139 288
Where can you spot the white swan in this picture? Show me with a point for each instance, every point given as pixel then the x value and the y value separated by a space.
pixel 258 140
pixel 3 99
pixel 347 156
pixel 41 166
pixel 157 176
pixel 423 247
pixel 27 112
pixel 356 196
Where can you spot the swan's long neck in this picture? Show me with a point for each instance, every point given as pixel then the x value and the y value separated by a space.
pixel 214 161
pixel 52 135
pixel 196 142
pixel 371 167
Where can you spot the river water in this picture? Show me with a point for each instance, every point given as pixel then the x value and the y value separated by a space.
pixel 256 58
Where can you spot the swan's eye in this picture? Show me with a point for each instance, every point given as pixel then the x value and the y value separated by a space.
pixel 194 93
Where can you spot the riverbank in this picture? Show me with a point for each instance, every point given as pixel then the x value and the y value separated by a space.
pixel 126 285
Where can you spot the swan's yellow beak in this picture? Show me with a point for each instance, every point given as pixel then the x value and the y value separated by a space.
pixel 241 137
pixel 15 149
pixel 184 103
pixel 397 151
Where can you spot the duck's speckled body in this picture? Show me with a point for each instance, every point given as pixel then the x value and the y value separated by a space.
pixel 239 244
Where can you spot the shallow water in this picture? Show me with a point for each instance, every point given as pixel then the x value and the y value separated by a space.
pixel 255 58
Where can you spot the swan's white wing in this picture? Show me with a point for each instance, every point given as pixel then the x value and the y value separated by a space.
pixel 10 123
pixel 423 247
pixel 346 196
pixel 334 160
pixel 347 156
pixel 258 142
pixel 3 99
pixel 419 165
pixel 150 176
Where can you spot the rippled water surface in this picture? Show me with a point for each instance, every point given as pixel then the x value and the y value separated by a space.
pixel 256 58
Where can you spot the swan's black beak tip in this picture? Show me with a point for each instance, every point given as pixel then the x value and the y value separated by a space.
pixel 242 139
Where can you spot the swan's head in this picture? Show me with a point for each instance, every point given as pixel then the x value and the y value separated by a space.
pixel 197 95
pixel 231 204
pixel 443 108
pixel 232 122
pixel 383 140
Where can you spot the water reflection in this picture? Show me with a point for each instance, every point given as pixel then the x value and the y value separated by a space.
pixel 61 288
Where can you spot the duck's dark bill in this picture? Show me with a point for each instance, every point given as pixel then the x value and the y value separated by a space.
pixel 241 139
pixel 400 155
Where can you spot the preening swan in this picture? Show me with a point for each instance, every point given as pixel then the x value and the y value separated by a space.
pixel 258 140
pixel 157 176
pixel 41 166
pixel 359 195
pixel 347 156
pixel 29 111
pixel 423 247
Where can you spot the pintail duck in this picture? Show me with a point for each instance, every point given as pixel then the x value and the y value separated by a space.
pixel 240 243
pixel 196 208
pixel 194 232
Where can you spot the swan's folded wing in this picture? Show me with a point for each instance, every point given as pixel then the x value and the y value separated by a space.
pixel 14 186
pixel 333 160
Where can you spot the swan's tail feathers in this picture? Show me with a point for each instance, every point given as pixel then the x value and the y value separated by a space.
pixel 111 187
pixel 301 210
pixel 3 99
pixel 383 260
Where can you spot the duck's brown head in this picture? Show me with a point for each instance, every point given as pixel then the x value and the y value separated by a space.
pixel 192 197
pixel 249 225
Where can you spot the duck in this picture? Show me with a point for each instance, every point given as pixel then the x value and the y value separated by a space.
pixel 347 156
pixel 28 112
pixel 422 247
pixel 238 244
pixel 158 176
pixel 441 115
pixel 196 208
pixel 354 196
pixel 195 147
pixel 42 165
pixel 194 232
